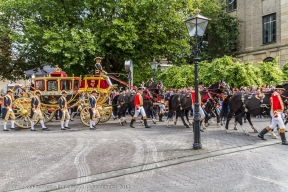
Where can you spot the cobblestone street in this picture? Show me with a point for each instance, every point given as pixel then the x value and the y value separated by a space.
pixel 118 158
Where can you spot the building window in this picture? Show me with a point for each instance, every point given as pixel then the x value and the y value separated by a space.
pixel 231 5
pixel 268 59
pixel 269 28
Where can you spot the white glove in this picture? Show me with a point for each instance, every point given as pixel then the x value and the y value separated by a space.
pixel 94 112
pixel 10 109
pixel 34 111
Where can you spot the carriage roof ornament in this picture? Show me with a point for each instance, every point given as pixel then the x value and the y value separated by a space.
pixel 57 69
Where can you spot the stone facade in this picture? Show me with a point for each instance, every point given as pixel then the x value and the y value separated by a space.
pixel 251 30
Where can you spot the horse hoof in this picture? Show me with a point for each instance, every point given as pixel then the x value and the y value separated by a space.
pixel 142 124
pixel 187 126
pixel 219 125
pixel 190 124
pixel 235 128
pixel 206 124
pixel 255 130
pixel 274 137
pixel 227 131
pixel 125 121
pixel 175 122
pixel 247 134
pixel 154 122
pixel 168 126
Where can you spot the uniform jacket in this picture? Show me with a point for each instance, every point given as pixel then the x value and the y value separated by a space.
pixel 62 103
pixel 193 98
pixel 7 101
pixel 93 102
pixel 276 103
pixel 98 67
pixel 35 103
pixel 138 100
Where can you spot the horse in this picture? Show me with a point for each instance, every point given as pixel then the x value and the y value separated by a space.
pixel 156 92
pixel 180 102
pixel 126 101
pixel 241 103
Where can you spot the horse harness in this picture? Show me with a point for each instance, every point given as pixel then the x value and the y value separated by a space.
pixel 261 97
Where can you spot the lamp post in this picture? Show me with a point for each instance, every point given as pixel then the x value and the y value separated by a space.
pixel 154 66
pixel 196 27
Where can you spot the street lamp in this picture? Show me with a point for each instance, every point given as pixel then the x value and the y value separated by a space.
pixel 154 66
pixel 196 27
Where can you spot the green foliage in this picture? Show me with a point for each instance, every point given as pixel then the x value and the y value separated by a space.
pixel 285 72
pixel 72 33
pixel 270 72
pixel 177 77
pixel 229 69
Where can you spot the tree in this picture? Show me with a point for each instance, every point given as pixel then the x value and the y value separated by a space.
pixel 285 72
pixel 71 33
pixel 270 73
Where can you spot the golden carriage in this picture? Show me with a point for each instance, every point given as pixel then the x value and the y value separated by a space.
pixel 51 87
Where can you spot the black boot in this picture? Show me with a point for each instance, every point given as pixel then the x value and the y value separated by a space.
pixel 283 138
pixel 131 123
pixel 160 117
pixel 262 133
pixel 145 123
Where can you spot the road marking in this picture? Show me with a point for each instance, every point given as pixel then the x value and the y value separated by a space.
pixel 271 181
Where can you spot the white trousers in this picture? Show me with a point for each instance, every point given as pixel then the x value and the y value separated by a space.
pixel 201 112
pixel 162 108
pixel 140 110
pixel 277 120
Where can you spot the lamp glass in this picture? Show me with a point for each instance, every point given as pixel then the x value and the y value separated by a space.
pixel 154 65
pixel 202 23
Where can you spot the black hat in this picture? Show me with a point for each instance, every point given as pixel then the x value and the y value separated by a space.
pixel 64 92
pixel 37 92
pixel 279 87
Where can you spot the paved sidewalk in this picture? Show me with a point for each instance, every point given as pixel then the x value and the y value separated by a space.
pixel 77 155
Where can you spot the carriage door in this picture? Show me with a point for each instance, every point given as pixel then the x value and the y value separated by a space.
pixel 66 85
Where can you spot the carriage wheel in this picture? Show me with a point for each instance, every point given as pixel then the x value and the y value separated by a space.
pixel 105 113
pixel 48 113
pixel 22 109
pixel 85 116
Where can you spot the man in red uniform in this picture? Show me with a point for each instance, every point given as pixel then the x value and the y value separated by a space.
pixel 201 112
pixel 277 108
pixel 138 102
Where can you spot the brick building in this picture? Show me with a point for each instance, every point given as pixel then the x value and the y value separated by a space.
pixel 264 31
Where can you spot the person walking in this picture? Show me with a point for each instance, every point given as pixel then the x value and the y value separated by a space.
pixel 138 102
pixel 94 114
pixel 36 112
pixel 63 111
pixel 277 109
pixel 7 110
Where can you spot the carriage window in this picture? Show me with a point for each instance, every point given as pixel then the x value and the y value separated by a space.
pixel 76 85
pixel 52 86
pixel 66 85
pixel 39 85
